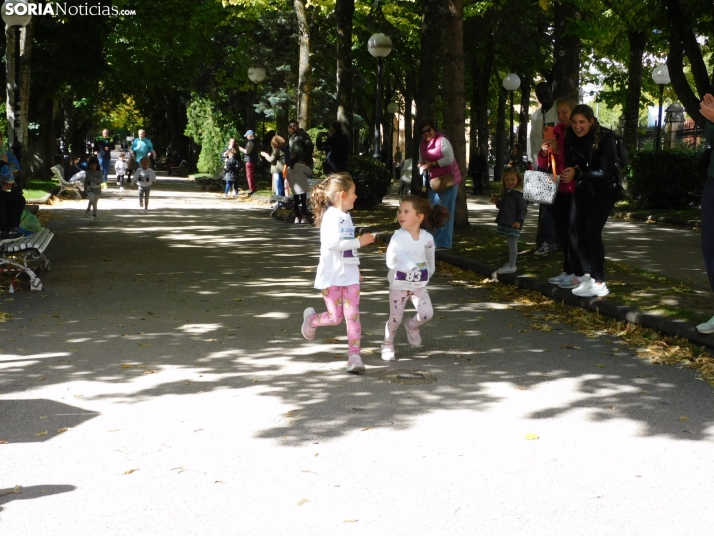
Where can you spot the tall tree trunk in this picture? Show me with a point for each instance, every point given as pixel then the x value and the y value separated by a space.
pixel 523 116
pixel 344 12
pixel 500 135
pixel 429 70
pixel 10 60
pixel 409 84
pixel 637 41
pixel 455 95
pixel 675 62
pixel 304 67
pixel 483 97
pixel 26 62
pixel 566 61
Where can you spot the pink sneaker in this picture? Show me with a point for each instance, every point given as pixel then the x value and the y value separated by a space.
pixel 354 364
pixel 413 335
pixel 307 330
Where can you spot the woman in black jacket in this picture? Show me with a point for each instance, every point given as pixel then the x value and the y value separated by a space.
pixel 591 160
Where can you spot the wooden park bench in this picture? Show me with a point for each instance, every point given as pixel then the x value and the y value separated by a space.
pixel 25 256
pixel 65 186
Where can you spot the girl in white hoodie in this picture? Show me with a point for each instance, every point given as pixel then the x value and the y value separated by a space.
pixel 411 262
pixel 338 274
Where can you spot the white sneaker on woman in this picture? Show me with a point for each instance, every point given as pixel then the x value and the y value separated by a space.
pixel 706 327
pixel 559 278
pixel 354 364
pixel 574 281
pixel 591 289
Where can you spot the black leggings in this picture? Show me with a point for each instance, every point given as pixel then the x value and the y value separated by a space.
pixel 300 204
pixel 563 216
pixel 591 213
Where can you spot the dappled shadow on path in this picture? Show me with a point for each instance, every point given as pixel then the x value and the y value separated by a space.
pixel 193 302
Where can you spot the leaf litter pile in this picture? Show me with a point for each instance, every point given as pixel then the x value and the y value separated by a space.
pixel 645 343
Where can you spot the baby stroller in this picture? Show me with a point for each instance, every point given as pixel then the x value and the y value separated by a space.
pixel 405 179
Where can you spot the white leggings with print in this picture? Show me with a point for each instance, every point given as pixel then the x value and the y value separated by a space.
pixel 398 301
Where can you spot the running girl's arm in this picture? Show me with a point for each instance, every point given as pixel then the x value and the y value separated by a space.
pixel 332 238
pixel 431 257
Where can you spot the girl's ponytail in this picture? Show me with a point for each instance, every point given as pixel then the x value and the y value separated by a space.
pixel 323 195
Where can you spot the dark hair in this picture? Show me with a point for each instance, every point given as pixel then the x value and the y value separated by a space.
pixel 337 125
pixel 324 195
pixel 426 121
pixel 294 159
pixel 92 160
pixel 434 217
pixel 589 114
pixel 57 159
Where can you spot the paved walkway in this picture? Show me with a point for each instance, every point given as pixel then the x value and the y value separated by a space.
pixel 168 343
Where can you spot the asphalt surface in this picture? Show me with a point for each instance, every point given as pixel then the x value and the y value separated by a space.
pixel 168 342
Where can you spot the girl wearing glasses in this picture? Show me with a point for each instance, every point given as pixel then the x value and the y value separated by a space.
pixel 436 155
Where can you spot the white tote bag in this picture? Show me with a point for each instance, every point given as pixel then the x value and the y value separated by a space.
pixel 540 187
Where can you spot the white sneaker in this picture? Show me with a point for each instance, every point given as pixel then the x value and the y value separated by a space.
pixel 307 330
pixel 297 220
pixel 706 327
pixel 304 220
pixel 388 352
pixel 121 188
pixel 506 269
pixel 574 281
pixel 413 335
pixel 591 289
pixel 559 278
pixel 354 364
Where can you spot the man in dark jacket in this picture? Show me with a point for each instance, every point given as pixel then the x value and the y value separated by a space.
pixel 478 166
pixel 300 144
pixel 251 157
pixel 336 146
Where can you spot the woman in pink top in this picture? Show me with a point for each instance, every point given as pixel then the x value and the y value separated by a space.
pixel 436 156
pixel 563 204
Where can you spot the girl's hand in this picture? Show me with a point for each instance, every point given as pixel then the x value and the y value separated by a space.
pixel 706 107
pixel 516 225
pixel 568 174
pixel 494 199
pixel 366 239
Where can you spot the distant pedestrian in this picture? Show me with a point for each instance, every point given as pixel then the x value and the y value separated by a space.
pixel 120 167
pixel 298 173
pixel 92 180
pixel 251 157
pixel 338 275
pixel 277 159
pixel 512 209
pixel 103 149
pixel 411 262
pixel 142 147
pixel 336 146
pixel 144 178
pixel 231 168
pixel 300 143
pixel 478 169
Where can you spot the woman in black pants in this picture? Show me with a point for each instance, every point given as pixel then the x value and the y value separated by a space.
pixel 591 160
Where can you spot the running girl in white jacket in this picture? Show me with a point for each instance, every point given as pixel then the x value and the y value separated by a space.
pixel 338 272
pixel 411 262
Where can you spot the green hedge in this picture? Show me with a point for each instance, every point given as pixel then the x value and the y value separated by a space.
pixel 372 179
pixel 668 179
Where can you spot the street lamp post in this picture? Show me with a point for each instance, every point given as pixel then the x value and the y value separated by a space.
pixel 256 75
pixel 16 17
pixel 392 108
pixel 511 82
pixel 379 45
pixel 660 75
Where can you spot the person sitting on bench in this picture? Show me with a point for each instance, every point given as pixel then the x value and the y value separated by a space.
pixel 12 203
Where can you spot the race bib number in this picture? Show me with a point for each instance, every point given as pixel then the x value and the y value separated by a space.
pixel 350 256
pixel 420 275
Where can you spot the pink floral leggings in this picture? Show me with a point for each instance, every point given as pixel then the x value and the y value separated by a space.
pixel 342 302
pixel 397 303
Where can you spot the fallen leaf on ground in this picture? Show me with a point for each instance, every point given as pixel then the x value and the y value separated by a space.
pixel 3 442
pixel 148 371
pixel 39 434
pixel 43 416
pixel 331 340
pixel 302 501
pixel 126 366
pixel 130 471
pixel 145 345
pixel 684 418
pixel 570 346
pixel 351 520
pixel 532 436
pixel 600 365
pixel 64 429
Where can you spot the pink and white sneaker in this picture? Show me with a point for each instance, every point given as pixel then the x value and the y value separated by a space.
pixel 354 364
pixel 307 330
pixel 413 335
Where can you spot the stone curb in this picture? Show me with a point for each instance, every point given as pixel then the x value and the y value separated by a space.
pixel 666 325
pixel 659 219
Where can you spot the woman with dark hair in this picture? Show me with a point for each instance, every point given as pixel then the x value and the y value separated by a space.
pixel 436 155
pixel 590 160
